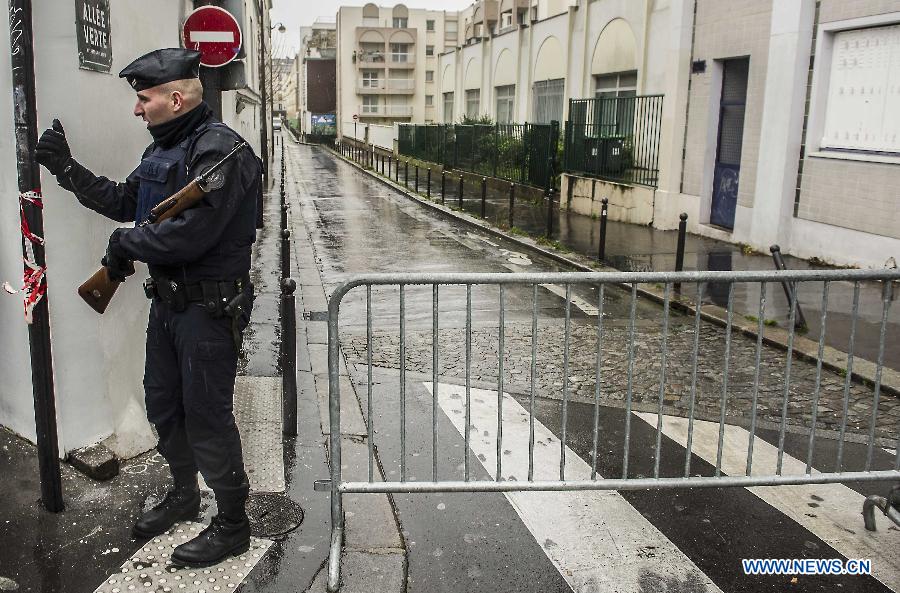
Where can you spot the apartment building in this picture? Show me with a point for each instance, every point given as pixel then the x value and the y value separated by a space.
pixel 387 62
pixel 771 122
pixel 282 85
pixel 316 77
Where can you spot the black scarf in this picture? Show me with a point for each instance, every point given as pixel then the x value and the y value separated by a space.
pixel 174 131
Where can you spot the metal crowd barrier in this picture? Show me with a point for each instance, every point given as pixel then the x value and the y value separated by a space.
pixel 604 283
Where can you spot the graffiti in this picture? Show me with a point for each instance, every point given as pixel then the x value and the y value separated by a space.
pixel 15 32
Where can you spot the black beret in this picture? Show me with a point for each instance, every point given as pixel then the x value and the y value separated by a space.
pixel 161 66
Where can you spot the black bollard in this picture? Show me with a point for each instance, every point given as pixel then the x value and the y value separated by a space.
pixel 549 195
pixel 483 197
pixel 428 183
pixel 285 253
pixel 288 358
pixel 417 178
pixel 406 173
pixel 604 214
pixel 397 170
pixel 382 164
pixel 389 166
pixel 512 203
pixel 789 288
pixel 679 251
pixel 443 186
pixel 461 191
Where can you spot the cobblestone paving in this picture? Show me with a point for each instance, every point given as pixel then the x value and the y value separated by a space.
pixel 647 356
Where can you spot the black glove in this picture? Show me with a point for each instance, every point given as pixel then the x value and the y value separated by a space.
pixel 52 150
pixel 118 265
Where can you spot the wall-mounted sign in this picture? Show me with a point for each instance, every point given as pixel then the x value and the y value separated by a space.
pixel 94 35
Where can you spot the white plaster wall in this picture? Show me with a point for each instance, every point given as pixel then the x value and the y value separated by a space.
pixel 599 15
pixel 16 408
pixel 97 360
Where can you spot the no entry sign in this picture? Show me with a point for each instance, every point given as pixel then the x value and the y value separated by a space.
pixel 215 33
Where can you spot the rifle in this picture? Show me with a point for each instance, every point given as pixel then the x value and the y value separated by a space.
pixel 99 289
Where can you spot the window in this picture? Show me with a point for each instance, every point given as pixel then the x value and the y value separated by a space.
pixel 451 28
pixel 506 96
pixel 614 114
pixel 370 79
pixel 429 25
pixel 429 76
pixel 429 50
pixel 400 22
pixel 429 100
pixel 620 84
pixel 473 100
pixel 448 107
pixel 370 21
pixel 548 100
pixel 506 19
pixel 399 52
pixel 861 105
pixel 370 104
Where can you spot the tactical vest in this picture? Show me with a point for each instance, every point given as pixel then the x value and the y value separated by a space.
pixel 163 172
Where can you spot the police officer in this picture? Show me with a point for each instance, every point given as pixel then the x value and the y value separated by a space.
pixel 199 262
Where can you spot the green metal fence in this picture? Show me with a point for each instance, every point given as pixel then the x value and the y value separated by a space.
pixel 614 138
pixel 522 153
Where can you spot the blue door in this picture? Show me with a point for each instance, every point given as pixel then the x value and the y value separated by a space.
pixel 727 173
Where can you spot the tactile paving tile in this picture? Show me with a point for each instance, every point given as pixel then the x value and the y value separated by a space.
pixel 150 569
pixel 257 411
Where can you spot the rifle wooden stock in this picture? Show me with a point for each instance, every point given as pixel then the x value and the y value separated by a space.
pixel 98 290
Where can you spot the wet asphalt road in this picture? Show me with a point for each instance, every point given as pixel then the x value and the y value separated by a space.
pixel 361 226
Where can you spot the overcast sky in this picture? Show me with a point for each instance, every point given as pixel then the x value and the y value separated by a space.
pixel 300 13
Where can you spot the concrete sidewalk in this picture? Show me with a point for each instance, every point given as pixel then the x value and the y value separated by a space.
pixel 373 555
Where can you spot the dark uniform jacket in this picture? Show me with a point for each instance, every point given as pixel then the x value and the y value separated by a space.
pixel 212 240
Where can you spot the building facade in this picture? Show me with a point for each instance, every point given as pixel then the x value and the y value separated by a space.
pixel 314 74
pixel 778 121
pixel 387 63
pixel 98 360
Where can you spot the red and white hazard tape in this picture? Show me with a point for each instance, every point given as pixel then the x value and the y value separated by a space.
pixel 34 276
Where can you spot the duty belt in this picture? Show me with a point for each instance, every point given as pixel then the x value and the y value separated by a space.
pixel 214 295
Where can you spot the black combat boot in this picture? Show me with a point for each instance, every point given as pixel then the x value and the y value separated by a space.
pixel 180 504
pixel 227 535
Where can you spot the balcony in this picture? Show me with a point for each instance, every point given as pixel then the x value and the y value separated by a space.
pixel 370 59
pixel 397 60
pixel 381 86
pixel 385 111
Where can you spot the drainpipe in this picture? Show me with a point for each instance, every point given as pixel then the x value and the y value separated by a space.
pixel 32 219
pixel 263 119
pixel 642 89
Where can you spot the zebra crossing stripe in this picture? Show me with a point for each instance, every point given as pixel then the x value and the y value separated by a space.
pixel 596 539
pixel 836 517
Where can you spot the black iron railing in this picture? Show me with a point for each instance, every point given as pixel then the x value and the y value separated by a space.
pixel 615 138
pixel 522 153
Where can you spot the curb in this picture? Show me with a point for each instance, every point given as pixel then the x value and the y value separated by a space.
pixel 864 371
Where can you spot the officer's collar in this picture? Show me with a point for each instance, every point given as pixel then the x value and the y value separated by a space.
pixel 172 132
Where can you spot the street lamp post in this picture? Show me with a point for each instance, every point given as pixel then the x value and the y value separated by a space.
pixel 281 29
